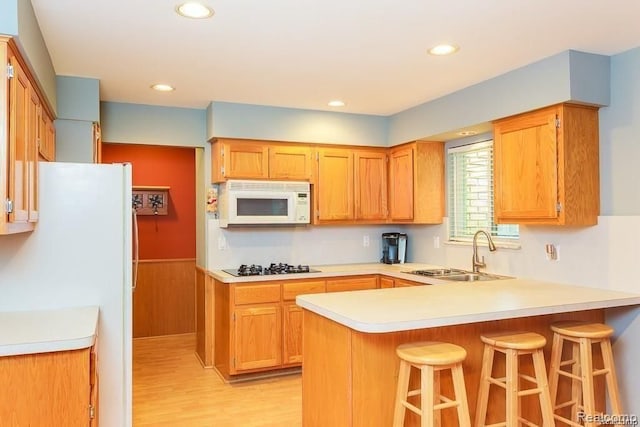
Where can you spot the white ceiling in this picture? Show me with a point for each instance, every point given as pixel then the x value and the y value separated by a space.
pixel 303 53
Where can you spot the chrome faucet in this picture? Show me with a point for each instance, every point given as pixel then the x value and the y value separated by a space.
pixel 475 262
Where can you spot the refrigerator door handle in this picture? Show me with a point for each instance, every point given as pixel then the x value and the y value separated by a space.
pixel 136 254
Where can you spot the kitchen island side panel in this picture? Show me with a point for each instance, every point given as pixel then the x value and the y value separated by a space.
pixel 326 372
pixel 349 377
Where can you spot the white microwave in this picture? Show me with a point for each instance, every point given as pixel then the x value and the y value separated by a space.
pixel 242 202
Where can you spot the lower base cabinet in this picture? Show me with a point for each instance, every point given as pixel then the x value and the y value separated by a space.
pixel 257 334
pixel 49 389
pixel 258 326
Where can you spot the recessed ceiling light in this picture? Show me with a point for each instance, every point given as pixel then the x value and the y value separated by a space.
pixel 161 87
pixel 336 103
pixel 467 133
pixel 194 10
pixel 443 49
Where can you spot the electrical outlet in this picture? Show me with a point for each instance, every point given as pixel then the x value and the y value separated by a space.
pixel 365 241
pixel 436 242
pixel 222 243
pixel 552 251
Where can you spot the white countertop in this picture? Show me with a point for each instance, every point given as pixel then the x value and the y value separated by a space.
pixel 453 303
pixel 29 332
pixel 393 270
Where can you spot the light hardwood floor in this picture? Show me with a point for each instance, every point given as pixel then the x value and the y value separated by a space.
pixel 170 388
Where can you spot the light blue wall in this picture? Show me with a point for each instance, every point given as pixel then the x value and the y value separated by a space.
pixel 78 109
pixel 231 120
pixel 33 47
pixel 149 124
pixel 9 17
pixel 536 85
pixel 78 98
pixel 619 136
pixel 74 141
pixel 18 19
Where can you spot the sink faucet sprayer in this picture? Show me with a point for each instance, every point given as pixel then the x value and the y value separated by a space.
pixel 475 262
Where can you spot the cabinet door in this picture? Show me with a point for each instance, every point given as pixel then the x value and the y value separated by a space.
pixel 292 334
pixel 33 142
pixel 401 184
pixel 399 283
pixel 335 184
pixel 257 337
pixel 370 185
pixel 46 136
pixel 386 282
pixel 20 99
pixel 290 162
pixel 526 167
pixel 245 160
pixel 352 284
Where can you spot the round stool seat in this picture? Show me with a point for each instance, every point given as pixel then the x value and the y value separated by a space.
pixel 431 353
pixel 515 340
pixel 582 329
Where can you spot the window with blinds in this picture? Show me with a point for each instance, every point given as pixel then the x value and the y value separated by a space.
pixel 470 184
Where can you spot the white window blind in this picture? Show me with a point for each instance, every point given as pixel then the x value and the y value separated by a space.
pixel 470 185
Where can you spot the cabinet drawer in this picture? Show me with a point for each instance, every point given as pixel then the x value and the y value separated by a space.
pixel 399 283
pixel 291 290
pixel 256 294
pixel 352 284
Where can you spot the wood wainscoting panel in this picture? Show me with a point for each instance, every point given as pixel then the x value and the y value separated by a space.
pixel 163 302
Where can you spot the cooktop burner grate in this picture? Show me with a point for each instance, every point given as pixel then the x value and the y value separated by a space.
pixel 273 268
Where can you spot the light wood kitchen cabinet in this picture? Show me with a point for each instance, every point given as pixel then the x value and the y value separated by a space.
pixel 256 333
pixel 292 317
pixel 334 185
pixel 46 137
pixel 258 326
pixel 291 162
pixel 546 167
pixel 57 388
pixel 386 282
pixel 292 334
pixel 391 282
pixel 370 185
pixel 355 283
pixel 239 159
pixel 252 159
pixel 257 337
pixel 416 183
pixel 401 283
pixel 20 127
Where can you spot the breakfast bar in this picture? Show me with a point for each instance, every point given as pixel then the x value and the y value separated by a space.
pixel 349 362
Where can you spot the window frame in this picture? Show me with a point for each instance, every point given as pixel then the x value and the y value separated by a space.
pixel 454 203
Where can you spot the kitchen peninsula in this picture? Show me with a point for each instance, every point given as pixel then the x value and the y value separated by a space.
pixel 349 339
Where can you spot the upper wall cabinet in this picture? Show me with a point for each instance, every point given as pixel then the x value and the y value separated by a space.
pixel 546 167
pixel 370 185
pixel 249 159
pixel 239 159
pixel 416 183
pixel 334 185
pixel 351 185
pixel 23 128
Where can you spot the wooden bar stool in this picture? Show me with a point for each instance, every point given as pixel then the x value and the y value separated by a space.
pixel 514 345
pixel 582 336
pixel 431 358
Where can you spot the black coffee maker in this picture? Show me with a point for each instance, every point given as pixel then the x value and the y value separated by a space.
pixel 394 248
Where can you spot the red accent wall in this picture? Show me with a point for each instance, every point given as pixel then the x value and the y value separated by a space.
pixel 171 236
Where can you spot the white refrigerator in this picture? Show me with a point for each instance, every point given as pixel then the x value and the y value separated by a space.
pixel 81 254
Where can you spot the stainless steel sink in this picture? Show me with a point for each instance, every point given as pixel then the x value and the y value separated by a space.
pixel 458 275
pixel 472 277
